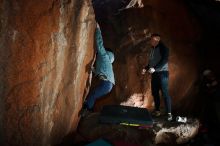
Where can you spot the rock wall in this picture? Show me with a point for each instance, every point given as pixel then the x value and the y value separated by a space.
pixel 44 51
pixel 208 13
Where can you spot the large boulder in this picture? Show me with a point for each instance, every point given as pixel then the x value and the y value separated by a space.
pixel 45 49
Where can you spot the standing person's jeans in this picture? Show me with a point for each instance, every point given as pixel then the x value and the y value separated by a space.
pixel 159 82
pixel 102 89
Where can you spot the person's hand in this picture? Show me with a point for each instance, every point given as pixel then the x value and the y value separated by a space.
pixel 151 70
pixel 92 69
pixel 143 71
pixel 97 25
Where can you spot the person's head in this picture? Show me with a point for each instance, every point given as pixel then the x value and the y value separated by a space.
pixel 155 39
pixel 110 54
pixel 208 75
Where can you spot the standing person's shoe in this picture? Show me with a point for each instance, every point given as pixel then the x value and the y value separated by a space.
pixel 169 117
pixel 156 113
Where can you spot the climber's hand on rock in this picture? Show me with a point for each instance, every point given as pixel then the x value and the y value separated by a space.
pixel 97 25
pixel 143 71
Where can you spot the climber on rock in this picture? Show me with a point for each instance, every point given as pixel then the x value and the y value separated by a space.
pixel 103 71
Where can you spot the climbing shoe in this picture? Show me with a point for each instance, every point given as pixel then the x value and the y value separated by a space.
pixel 85 111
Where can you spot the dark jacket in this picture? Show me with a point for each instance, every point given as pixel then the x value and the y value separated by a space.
pixel 158 58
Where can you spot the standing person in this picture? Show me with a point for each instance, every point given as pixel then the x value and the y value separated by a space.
pixel 103 70
pixel 210 90
pixel 158 68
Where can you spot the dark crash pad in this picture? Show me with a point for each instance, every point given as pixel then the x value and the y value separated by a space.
pixel 125 115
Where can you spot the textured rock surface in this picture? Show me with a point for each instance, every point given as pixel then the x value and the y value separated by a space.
pixel 44 51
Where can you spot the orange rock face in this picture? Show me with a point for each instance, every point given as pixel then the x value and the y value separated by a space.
pixel 45 47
